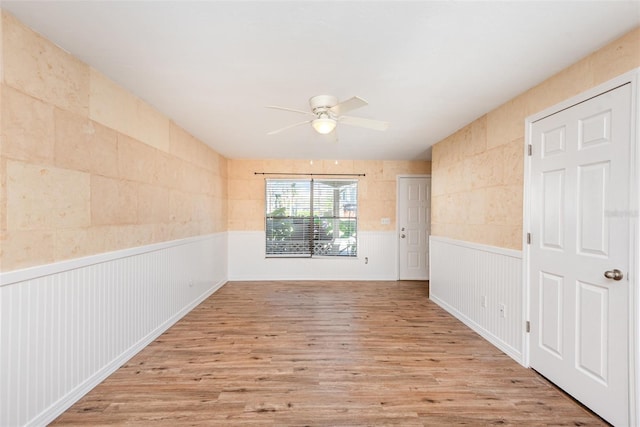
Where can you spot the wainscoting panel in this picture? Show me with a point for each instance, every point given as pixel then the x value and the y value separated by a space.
pixel 377 260
pixel 482 286
pixel 65 327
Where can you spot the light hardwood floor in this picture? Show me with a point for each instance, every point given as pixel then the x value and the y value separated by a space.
pixel 323 354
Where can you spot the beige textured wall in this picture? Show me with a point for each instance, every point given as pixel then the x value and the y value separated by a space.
pixel 86 167
pixel 478 176
pixel 376 190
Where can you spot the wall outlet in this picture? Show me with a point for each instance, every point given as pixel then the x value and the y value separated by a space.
pixel 502 310
pixel 385 221
pixel 483 301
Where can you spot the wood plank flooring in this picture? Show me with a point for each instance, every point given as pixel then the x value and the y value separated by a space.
pixel 323 354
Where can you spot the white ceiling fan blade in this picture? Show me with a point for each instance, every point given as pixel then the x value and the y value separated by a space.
pixel 273 132
pixel 364 123
pixel 348 105
pixel 293 110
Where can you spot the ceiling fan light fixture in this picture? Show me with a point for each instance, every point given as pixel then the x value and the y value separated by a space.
pixel 324 125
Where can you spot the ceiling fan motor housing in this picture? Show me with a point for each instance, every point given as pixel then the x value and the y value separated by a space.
pixel 322 103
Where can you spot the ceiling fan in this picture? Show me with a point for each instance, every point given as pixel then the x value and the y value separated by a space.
pixel 327 112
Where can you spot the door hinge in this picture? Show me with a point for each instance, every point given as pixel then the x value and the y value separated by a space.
pixel 528 326
pixel 528 238
pixel 530 150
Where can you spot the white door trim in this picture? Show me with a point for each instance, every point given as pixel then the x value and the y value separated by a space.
pixel 632 77
pixel 398 216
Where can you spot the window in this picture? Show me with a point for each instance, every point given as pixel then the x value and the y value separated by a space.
pixel 314 217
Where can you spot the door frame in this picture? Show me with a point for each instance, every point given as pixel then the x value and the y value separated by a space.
pixel 632 77
pixel 397 241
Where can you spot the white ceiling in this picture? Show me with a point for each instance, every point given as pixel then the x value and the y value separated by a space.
pixel 427 67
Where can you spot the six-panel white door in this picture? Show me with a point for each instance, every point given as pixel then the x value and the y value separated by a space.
pixel 580 230
pixel 414 214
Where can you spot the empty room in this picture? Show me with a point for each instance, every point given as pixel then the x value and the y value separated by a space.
pixel 306 213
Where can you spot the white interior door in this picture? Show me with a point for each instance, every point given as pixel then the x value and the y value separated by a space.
pixel 579 210
pixel 414 213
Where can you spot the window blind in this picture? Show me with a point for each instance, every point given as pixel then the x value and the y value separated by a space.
pixel 311 217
